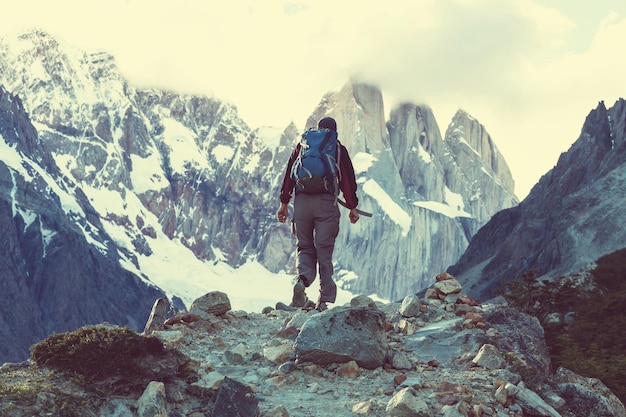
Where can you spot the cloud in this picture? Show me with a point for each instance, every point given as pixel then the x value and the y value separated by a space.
pixel 509 63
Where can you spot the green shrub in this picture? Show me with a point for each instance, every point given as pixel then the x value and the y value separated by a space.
pixel 28 392
pixel 541 299
pixel 610 271
pixel 96 353
pixel 19 391
pixel 594 344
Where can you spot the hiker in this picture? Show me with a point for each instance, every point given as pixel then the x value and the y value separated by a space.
pixel 315 222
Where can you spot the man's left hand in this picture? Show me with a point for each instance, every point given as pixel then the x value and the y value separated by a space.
pixel 281 214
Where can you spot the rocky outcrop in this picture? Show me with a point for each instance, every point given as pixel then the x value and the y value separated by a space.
pixel 585 396
pixel 567 221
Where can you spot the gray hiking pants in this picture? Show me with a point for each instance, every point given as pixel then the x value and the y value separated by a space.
pixel 316 225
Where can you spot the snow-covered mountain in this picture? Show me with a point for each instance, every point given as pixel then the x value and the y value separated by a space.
pixel 176 194
pixel 429 194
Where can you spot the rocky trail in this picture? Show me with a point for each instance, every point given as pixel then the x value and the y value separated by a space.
pixel 442 355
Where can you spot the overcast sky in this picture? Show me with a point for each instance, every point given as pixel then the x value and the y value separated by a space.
pixel 529 70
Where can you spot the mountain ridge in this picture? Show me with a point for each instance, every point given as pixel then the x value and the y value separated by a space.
pixel 566 222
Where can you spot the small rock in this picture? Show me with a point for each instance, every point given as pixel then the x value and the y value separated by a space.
pixel 349 370
pixel 399 379
pixel 264 372
pixel 406 403
pixel 235 399
pixel 152 401
pixel 362 301
pixel 363 408
pixel 411 306
pixel 434 363
pixel 214 302
pixel 406 327
pixel 279 411
pixel 278 354
pixel 233 358
pixel 489 357
pixel 444 276
pixel 211 381
pixel 157 316
pixel 401 360
pixel 447 287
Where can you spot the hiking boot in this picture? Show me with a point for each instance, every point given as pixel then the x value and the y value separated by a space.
pixel 299 297
pixel 284 307
pixel 321 306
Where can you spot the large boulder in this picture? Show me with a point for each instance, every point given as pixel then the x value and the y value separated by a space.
pixel 586 396
pixel 520 335
pixel 342 334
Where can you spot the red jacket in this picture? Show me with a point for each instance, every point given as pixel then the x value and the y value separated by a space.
pixel 347 183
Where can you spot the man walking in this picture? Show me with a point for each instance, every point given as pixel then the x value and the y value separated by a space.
pixel 316 216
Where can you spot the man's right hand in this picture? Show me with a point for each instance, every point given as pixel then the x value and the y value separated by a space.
pixel 282 213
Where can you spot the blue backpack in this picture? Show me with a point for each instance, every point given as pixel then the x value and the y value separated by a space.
pixel 316 169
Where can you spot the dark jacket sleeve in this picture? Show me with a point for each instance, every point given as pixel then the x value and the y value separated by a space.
pixel 288 184
pixel 347 182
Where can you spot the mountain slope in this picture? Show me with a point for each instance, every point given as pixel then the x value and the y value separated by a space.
pixel 570 218
pixel 55 275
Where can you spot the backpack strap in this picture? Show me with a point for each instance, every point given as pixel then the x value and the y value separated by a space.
pixel 298 162
pixel 337 179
